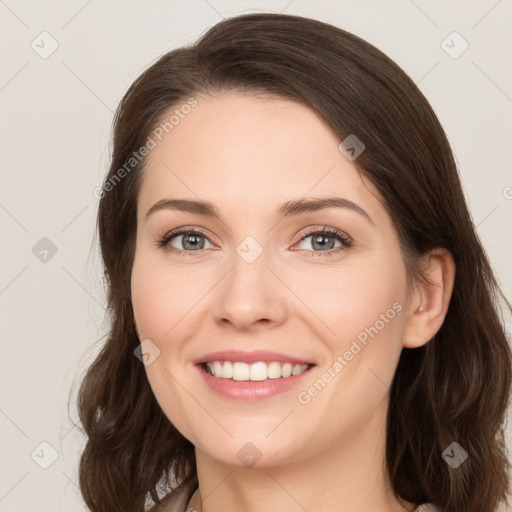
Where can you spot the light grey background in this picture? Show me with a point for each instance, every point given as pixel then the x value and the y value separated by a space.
pixel 56 114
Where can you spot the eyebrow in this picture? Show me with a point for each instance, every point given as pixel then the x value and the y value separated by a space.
pixel 289 209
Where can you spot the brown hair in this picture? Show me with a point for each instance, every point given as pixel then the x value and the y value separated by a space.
pixel 454 389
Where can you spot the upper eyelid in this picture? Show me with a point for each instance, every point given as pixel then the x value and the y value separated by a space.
pixel 185 230
pixel 345 239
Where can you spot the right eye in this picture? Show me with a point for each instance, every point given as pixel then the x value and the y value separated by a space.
pixel 190 240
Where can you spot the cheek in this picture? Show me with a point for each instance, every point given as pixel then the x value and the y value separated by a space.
pixel 352 298
pixel 161 298
pixel 146 301
pixel 162 303
pixel 364 308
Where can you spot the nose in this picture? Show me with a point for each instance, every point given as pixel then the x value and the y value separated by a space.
pixel 250 296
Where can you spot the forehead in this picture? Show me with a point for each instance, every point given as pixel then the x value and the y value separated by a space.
pixel 250 151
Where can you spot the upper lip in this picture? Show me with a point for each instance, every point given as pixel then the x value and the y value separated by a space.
pixel 249 357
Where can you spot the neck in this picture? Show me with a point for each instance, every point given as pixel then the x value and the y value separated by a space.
pixel 351 478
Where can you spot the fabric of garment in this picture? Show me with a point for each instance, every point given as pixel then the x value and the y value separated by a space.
pixel 179 500
pixel 427 507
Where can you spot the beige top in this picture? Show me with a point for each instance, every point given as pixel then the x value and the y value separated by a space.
pixel 179 500
pixel 427 507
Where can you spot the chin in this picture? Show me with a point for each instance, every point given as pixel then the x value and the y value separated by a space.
pixel 253 452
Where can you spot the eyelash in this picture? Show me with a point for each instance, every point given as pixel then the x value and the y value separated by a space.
pixel 339 235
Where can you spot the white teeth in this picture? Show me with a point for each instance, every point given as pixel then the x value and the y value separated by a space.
pixel 274 370
pixel 227 370
pixel 286 369
pixel 217 367
pixel 297 369
pixel 256 371
pixel 241 371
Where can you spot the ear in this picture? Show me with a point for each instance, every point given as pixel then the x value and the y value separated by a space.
pixel 430 298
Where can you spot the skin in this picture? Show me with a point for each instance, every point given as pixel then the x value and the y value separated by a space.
pixel 248 155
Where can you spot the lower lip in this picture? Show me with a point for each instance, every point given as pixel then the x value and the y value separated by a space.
pixel 251 390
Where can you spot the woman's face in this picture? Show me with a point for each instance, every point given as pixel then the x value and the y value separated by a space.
pixel 255 280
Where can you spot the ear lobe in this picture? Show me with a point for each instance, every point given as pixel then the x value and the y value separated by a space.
pixel 430 299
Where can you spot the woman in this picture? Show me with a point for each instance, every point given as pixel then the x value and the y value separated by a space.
pixel 303 317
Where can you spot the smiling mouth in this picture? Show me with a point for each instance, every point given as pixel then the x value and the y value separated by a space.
pixel 258 371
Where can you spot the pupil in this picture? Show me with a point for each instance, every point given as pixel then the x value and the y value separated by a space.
pixel 317 240
pixel 193 239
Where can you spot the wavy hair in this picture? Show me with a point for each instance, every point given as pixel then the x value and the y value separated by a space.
pixel 456 388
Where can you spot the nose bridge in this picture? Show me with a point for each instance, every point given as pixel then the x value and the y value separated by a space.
pixel 250 292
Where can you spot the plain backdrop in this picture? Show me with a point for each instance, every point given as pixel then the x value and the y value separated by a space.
pixel 64 69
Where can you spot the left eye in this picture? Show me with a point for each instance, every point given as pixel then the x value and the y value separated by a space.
pixel 324 241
